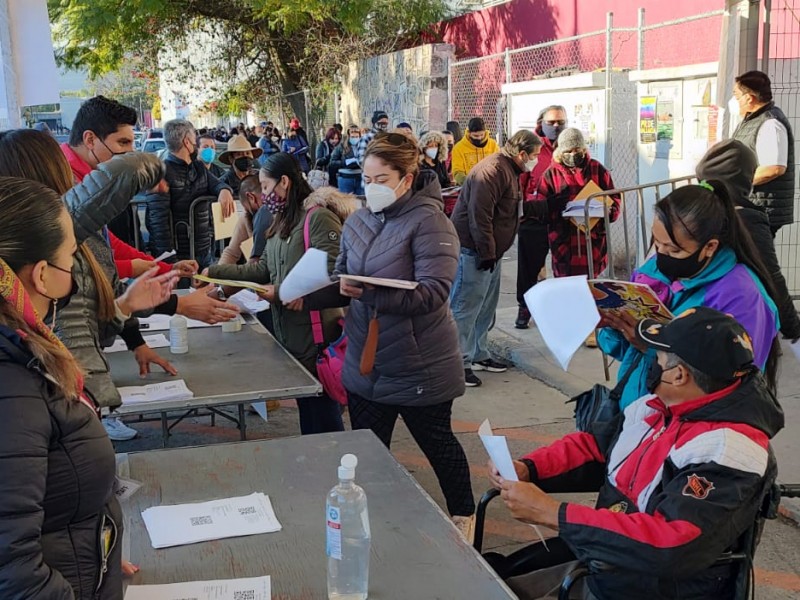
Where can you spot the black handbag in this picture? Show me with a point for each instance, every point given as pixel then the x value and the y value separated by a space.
pixel 600 405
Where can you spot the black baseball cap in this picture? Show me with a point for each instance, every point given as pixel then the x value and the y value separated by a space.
pixel 710 341
pixel 378 115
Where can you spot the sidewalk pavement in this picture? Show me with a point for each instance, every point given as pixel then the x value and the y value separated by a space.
pixel 526 349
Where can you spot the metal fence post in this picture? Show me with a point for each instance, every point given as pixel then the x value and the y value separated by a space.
pixel 449 89
pixel 640 31
pixel 609 60
pixel 508 65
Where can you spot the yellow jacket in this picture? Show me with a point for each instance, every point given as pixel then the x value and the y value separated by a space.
pixel 466 155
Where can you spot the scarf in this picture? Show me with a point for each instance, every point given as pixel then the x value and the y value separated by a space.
pixel 13 292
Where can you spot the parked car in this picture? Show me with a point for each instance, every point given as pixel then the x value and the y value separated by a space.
pixel 154 145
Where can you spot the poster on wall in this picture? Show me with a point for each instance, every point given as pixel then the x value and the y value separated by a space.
pixel 665 119
pixel 647 120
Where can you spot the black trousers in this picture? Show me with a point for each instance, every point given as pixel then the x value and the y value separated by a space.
pixel 432 430
pixel 532 249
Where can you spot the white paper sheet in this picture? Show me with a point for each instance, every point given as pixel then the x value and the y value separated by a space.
pixel 224 227
pixel 497 449
pixel 250 588
pixel 175 389
pixel 158 340
pixel 308 275
pixel 565 314
pixel 161 322
pixel 165 255
pixel 191 523
pixel 249 302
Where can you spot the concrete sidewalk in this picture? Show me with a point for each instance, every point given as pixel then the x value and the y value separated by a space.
pixel 526 350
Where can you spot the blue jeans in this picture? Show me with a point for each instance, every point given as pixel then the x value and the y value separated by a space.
pixel 350 185
pixel 473 301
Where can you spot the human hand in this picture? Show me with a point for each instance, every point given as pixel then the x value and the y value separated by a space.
pixel 626 325
pixel 487 265
pixel 196 283
pixel 140 266
pixel 186 268
pixel 523 474
pixel 227 203
pixel 129 569
pixel 161 188
pixel 268 293
pixel 147 291
pixel 146 356
pixel 199 305
pixel 295 305
pixel 527 503
pixel 351 291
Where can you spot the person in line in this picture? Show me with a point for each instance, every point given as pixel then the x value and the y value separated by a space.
pixel 455 130
pixel 58 464
pixel 187 179
pixel 704 256
pixel 473 148
pixel 403 234
pixel 289 198
pixel 250 197
pixel 268 142
pixel 240 156
pixel 380 123
pixel 325 150
pixel 405 128
pixel 572 169
pixel 682 480
pixel 102 129
pixel 296 144
pixel 532 244
pixel 208 154
pixel 732 163
pixel 486 217
pixel 433 157
pixel 768 133
pixel 345 161
pixel 451 142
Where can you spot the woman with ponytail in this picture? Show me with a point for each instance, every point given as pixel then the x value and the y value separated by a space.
pixel 704 256
pixel 56 462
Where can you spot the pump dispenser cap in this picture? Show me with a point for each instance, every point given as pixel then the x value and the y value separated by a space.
pixel 347 468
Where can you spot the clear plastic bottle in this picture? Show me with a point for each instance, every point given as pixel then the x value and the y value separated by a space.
pixel 348 536
pixel 178 335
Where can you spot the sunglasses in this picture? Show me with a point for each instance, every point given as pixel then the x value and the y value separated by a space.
pixel 395 139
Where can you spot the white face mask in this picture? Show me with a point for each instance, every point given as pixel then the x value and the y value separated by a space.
pixel 354 141
pixel 432 153
pixel 531 164
pixel 380 197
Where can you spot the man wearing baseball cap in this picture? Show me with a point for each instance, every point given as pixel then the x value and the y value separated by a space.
pixel 473 148
pixel 681 480
pixel 380 122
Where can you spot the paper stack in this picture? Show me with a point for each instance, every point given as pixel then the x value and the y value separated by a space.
pixel 250 588
pixel 576 209
pixel 155 392
pixel 249 302
pixel 154 341
pixel 191 523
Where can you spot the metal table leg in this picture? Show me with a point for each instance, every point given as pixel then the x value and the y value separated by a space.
pixel 242 423
pixel 164 430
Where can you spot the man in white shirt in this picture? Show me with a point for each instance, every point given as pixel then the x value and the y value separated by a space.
pixel 767 132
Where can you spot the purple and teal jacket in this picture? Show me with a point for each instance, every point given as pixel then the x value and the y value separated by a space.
pixel 726 285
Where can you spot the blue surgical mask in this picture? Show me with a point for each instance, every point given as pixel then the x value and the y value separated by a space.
pixel 207 155
pixel 354 141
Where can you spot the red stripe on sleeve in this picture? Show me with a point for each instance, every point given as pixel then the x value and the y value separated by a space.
pixel 568 453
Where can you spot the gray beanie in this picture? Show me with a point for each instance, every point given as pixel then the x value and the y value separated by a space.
pixel 571 138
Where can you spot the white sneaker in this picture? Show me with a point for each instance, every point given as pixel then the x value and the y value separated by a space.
pixel 117 430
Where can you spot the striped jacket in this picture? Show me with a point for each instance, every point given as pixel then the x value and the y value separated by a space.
pixel 678 486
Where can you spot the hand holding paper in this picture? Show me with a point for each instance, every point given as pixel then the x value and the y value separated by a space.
pixel 308 275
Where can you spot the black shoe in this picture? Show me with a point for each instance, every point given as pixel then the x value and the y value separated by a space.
pixel 523 318
pixel 471 379
pixel 490 365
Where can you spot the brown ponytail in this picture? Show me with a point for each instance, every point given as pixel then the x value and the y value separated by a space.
pixel 106 310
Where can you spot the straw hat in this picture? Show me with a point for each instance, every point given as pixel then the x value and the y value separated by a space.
pixel 238 143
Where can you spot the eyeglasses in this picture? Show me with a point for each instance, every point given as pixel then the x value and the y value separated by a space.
pixel 395 139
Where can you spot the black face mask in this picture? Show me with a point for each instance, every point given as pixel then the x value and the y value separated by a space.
pixel 552 132
pixel 654 377
pixel 242 164
pixel 479 144
pixel 680 268
pixel 59 304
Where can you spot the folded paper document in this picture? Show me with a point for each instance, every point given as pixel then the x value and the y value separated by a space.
pixel 156 392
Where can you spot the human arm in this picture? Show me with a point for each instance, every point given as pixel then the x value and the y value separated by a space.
pixel 704 505
pixel 223 192
pixel 434 247
pixel 459 164
pixel 25 437
pixel 125 255
pixel 256 272
pixel 233 251
pixel 483 193
pixel 107 191
pixel 337 158
pixel 772 150
pixel 322 155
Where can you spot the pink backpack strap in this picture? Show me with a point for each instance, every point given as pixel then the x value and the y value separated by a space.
pixel 316 318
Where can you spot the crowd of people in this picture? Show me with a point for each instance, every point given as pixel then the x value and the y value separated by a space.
pixel 687 461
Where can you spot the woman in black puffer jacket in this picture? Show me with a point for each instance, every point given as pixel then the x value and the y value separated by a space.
pixel 60 524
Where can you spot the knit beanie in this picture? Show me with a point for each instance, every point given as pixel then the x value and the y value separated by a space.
pixel 571 138
pixel 378 115
pixel 732 163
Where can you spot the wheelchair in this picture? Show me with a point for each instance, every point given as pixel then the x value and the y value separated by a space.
pixel 742 553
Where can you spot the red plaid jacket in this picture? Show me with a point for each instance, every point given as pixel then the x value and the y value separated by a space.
pixel 559 185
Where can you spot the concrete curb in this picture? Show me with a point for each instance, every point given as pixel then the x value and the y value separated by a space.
pixel 525 349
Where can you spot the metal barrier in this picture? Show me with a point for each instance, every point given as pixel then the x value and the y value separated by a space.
pixel 174 227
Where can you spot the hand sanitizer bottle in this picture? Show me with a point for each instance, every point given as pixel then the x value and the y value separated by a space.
pixel 348 536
